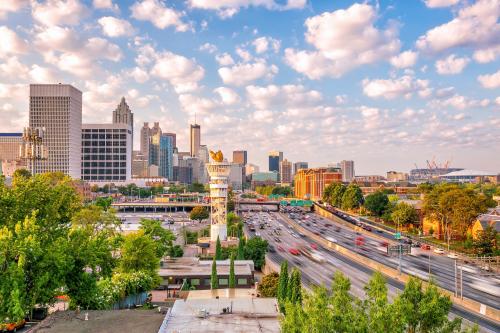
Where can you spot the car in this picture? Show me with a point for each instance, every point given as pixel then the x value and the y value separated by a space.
pixel 314 246
pixel 322 231
pixel 328 225
pixel 384 243
pixel 360 241
pixel 271 248
pixel 337 229
pixel 316 233
pixel 437 250
pixel 308 224
pixel 280 248
pixel 293 251
pixel 297 262
pixel 416 244
pixel 452 255
pixel 331 239
pixel 277 240
pixel 425 247
pixel 12 326
pixel 257 234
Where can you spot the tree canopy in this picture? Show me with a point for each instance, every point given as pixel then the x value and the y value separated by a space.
pixel 199 213
pixel 376 203
pixel 352 197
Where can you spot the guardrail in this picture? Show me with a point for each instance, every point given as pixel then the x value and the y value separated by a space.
pixel 469 304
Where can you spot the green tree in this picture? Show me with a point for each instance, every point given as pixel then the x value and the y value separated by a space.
pixel 196 187
pixel 234 225
pixel 376 203
pixel 294 291
pixel 199 213
pixel 404 214
pixel 268 287
pixel 352 197
pixel 486 242
pixel 162 237
pixel 104 202
pixel 218 249
pixel 241 249
pixel 96 219
pixel 283 284
pixel 381 316
pixel 334 193
pixel 282 190
pixel 232 277
pixel 139 253
pixel 214 280
pixel 255 250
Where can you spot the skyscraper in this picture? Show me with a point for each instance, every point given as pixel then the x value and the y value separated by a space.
pixel 123 115
pixel 347 168
pixel 195 140
pixel 58 109
pixel 9 146
pixel 275 157
pixel 161 154
pixel 299 165
pixel 174 138
pixel 285 171
pixel 240 157
pixel 145 137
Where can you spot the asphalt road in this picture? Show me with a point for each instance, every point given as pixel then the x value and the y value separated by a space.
pixel 315 273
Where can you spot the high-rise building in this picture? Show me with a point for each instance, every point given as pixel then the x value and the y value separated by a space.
pixel 156 129
pixel 174 138
pixel 236 176
pixel 240 157
pixel 161 152
pixel 275 157
pixel 123 115
pixel 139 165
pixel 10 144
pixel 58 109
pixel 106 152
pixel 310 183
pixel 145 138
pixel 203 154
pixel 299 165
pixel 195 139
pixel 285 171
pixel 347 168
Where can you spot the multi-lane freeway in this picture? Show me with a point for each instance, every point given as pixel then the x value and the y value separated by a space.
pixel 320 270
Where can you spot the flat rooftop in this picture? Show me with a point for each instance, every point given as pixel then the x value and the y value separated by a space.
pixel 249 314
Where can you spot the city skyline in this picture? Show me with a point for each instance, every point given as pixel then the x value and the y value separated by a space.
pixel 407 92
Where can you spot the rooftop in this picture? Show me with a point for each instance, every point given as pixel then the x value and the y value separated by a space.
pixel 203 312
pixel 195 267
pixel 468 172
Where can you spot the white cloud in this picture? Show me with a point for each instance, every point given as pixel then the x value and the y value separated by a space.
pixel 262 44
pixel 451 65
pixel 39 74
pixel 208 47
pixel 490 54
pixel 105 4
pixel 490 81
pixel 458 102
pixel 182 73
pixel 440 3
pixel 243 54
pixel 404 86
pixel 475 26
pixel 139 74
pixel 404 59
pixel 497 100
pixel 242 74
pixel 344 39
pixel 11 43
pixel 113 27
pixel 228 8
pixel 193 104
pixel 228 96
pixel 291 96
pixel 157 13
pixel 12 67
pixel 224 59
pixel 11 6
pixel 58 12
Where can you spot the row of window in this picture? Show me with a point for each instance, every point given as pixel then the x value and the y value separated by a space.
pixel 106 136
pixel 104 164
pixel 104 171
pixel 100 177
pixel 104 150
pixel 104 143
pixel 105 130
pixel 103 157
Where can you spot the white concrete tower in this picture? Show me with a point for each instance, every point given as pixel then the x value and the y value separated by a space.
pixel 219 175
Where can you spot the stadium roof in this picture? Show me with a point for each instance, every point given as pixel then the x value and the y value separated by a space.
pixel 467 172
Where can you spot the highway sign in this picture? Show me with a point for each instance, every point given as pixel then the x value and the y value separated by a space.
pixel 393 250
pixel 397 235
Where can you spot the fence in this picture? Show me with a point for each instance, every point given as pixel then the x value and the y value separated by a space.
pixel 131 301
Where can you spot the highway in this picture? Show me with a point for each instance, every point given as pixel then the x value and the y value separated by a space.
pixel 316 273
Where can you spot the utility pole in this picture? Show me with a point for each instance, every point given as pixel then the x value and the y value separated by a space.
pixel 429 253
pixel 400 257
pixel 456 281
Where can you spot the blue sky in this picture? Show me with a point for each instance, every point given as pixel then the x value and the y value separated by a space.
pixel 384 83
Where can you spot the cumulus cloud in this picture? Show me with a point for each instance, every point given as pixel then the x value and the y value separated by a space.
pixel 11 43
pixel 11 6
pixel 475 26
pixel 241 74
pixel 344 39
pixel 139 74
pixel 404 59
pixel 208 47
pixel 227 95
pixel 262 44
pixel 228 8
pixel 58 12
pixel 490 81
pixel 114 27
pixel 404 86
pixel 440 3
pixel 194 104
pixel 486 55
pixel 296 96
pixel 159 15
pixel 458 102
pixel 105 4
pixel 181 72
pixel 224 59
pixel 451 65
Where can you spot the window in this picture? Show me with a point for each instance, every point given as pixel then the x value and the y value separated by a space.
pixel 195 282
pixel 242 282
pixel 223 282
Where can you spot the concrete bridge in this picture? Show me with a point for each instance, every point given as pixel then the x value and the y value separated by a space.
pixel 160 207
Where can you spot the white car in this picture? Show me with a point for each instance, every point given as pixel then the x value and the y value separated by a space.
pixel 331 239
pixel 452 255
pixel 437 250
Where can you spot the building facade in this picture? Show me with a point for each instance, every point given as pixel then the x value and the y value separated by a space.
pixel 347 168
pixel 139 165
pixel 58 109
pixel 174 138
pixel 195 140
pixel 240 157
pixel 10 144
pixel 145 137
pixel 394 176
pixel 106 152
pixel 161 153
pixel 310 183
pixel 299 165
pixel 275 157
pixel 286 171
pixel 236 177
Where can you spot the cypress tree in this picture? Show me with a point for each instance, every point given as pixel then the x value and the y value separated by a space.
pixel 214 280
pixel 232 277
pixel 290 285
pixel 218 249
pixel 296 296
pixel 241 249
pixel 282 284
